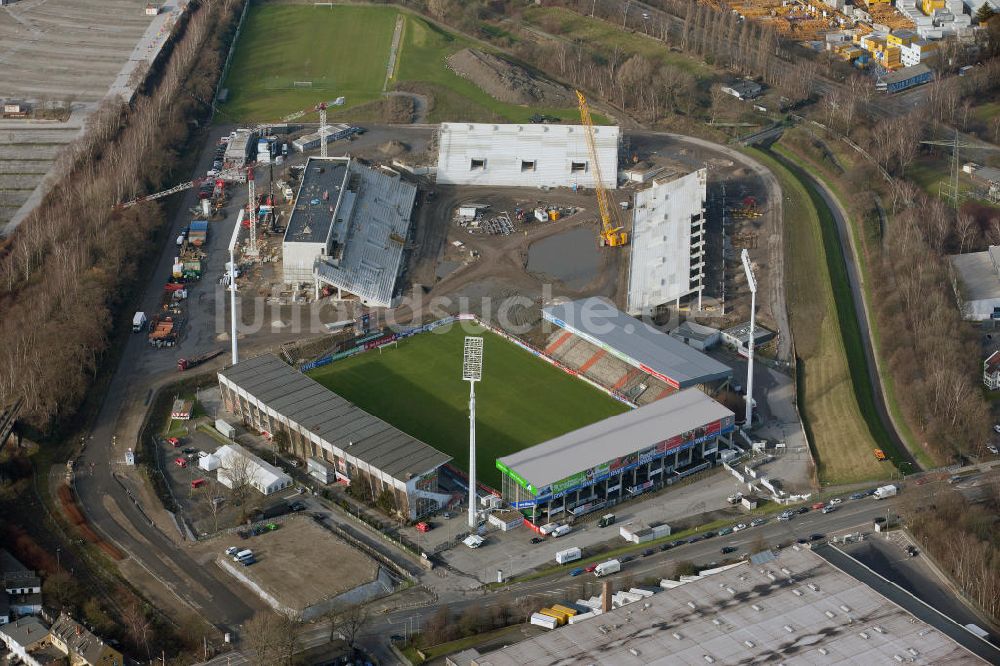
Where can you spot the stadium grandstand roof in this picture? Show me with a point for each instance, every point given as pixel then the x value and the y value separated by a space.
pixel 320 192
pixel 614 437
pixel 332 418
pixel 796 609
pixel 598 321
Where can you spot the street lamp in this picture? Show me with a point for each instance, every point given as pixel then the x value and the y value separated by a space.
pixel 752 282
pixel 232 284
pixel 472 372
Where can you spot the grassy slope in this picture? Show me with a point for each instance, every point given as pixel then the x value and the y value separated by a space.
pixel 285 43
pixel 418 388
pixel 849 159
pixel 841 440
pixel 422 61
pixel 579 28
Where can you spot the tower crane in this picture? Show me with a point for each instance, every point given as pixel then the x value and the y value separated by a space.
pixel 950 191
pixel 321 108
pixel 611 233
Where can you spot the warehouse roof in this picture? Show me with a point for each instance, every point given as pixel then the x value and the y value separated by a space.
pixel 598 321
pixel 343 425
pixel 905 74
pixel 319 194
pixel 615 437
pixel 796 609
pixel 979 273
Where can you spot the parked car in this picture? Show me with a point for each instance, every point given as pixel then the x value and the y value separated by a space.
pixel 996 428
pixel 757 522
pixel 297 506
pixel 535 540
pixel 590 567
pixel 911 551
pixel 708 535
pixel 818 505
pixel 576 572
pixel 173 441
pixel 857 496
pixel 190 449
pixel 741 526
pixel 835 501
pixel 803 509
pixel 725 550
pixel 232 550
pixel 666 546
pixel 181 462
pixel 816 537
pixel 992 449
pixel 648 552
pixel 829 509
pixel 423 527
pixel 801 540
pixel 627 558
pixel 198 483
pixel 725 530
pixel 446 515
pixel 294 463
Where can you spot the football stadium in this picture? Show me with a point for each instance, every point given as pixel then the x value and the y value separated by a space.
pixel 389 410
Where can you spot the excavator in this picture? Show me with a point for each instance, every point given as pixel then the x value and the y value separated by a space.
pixel 611 233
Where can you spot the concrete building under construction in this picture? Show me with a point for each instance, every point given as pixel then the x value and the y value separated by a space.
pixel 668 243
pixel 348 229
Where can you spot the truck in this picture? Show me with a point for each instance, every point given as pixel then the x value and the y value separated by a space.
pixel 882 492
pixel 609 567
pixel 198 232
pixel 548 528
pixel 606 520
pixel 188 363
pixel 162 333
pixel 138 322
pixel 568 555
pixel 561 530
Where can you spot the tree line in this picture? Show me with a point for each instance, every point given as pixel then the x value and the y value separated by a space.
pixel 67 269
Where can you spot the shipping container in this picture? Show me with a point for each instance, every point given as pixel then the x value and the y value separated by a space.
pixel 568 555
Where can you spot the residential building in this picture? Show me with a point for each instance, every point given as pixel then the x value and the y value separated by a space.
pixel 22 588
pixel 27 639
pixel 991 371
pixel 904 78
pixel 81 646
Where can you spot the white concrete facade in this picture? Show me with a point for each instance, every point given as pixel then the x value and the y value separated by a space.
pixel 524 155
pixel 668 242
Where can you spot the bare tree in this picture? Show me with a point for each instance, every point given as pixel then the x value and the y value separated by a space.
pixel 137 625
pixel 348 623
pixel 271 638
pixel 239 470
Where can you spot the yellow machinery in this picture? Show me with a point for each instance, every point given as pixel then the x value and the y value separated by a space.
pixel 611 224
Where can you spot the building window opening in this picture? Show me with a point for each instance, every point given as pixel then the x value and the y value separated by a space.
pixel 578 167
pixel 527 165
pixel 477 165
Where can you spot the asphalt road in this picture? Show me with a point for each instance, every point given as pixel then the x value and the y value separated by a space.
pixel 860 312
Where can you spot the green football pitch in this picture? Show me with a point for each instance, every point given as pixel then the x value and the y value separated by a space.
pixel 417 386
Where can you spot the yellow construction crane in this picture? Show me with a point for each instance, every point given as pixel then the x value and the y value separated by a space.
pixel 611 223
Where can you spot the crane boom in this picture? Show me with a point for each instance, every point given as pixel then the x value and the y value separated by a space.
pixel 611 223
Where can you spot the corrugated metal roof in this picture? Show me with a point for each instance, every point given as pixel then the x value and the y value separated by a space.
pixel 600 322
pixel 614 437
pixel 343 425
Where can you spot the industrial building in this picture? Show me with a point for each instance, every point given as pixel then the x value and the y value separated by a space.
pixel 738 337
pixel 668 243
pixel 236 466
pixel 905 78
pixel 348 229
pixel 744 89
pixel 524 155
pixel 334 132
pixel 599 322
pixel 268 396
pixel 978 287
pixel 620 457
pixel 696 335
pixel 792 607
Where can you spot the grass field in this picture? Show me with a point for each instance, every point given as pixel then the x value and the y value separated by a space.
pixel 344 51
pixel 838 431
pixel 418 388
pixel 281 44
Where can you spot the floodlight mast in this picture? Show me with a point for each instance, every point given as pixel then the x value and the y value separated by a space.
pixel 752 282
pixel 472 372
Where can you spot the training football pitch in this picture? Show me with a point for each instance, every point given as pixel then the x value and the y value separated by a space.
pixel 417 386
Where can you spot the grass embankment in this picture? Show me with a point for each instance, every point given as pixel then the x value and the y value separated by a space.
pixel 344 51
pixel 418 388
pixel 862 236
pixel 832 380
pixel 433 652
